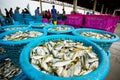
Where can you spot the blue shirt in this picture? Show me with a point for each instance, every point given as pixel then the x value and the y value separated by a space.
pixel 37 12
pixel 53 11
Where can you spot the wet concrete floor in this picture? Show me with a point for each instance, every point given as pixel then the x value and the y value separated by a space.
pixel 114 73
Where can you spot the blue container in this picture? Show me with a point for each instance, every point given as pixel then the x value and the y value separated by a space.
pixel 109 54
pixel 14 48
pixel 27 16
pixel 104 43
pixel 16 27
pixel 59 32
pixel 40 25
pixel 18 17
pixel 1 30
pixel 38 19
pixel 27 20
pixel 98 74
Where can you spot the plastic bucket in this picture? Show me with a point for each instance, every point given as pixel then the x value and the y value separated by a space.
pixel 59 32
pixel 14 48
pixel 98 74
pixel 104 43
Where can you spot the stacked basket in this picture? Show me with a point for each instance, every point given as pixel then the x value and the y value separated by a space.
pixel 104 43
pixel 40 25
pixel 34 74
pixel 59 29
pixel 9 71
pixel 14 47
pixel 15 27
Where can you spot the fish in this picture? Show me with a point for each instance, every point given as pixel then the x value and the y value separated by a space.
pixel 64 58
pixel 97 35
pixel 62 63
pixel 8 70
pixel 22 35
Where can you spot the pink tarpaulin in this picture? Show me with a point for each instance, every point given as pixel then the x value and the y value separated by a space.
pixel 103 22
pixel 61 22
pixel 45 20
pixel 75 20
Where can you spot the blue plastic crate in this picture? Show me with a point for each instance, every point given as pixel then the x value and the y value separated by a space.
pixel 59 32
pixel 99 74
pixel 104 43
pixel 14 48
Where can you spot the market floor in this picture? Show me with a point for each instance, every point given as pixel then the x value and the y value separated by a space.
pixel 114 73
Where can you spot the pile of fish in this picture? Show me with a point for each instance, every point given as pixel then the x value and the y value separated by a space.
pixel 44 24
pixel 15 28
pixel 38 25
pixel 64 58
pixel 96 35
pixel 59 28
pixel 8 70
pixel 22 35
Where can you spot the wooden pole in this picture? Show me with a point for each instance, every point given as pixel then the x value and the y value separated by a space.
pixel 84 11
pixel 75 5
pixel 63 5
pixel 102 8
pixel 114 12
pixel 94 6
pixel 106 11
pixel 40 5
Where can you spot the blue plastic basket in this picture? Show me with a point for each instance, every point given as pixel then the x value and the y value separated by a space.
pixel 99 74
pixel 27 20
pixel 19 18
pixel 109 54
pixel 1 30
pixel 21 27
pixel 59 32
pixel 104 43
pixel 40 25
pixel 3 56
pixel 27 16
pixel 38 18
pixel 13 48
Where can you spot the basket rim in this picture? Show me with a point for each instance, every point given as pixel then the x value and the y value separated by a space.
pixel 99 73
pixel 97 31
pixel 64 31
pixel 20 41
pixel 15 26
pixel 36 25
